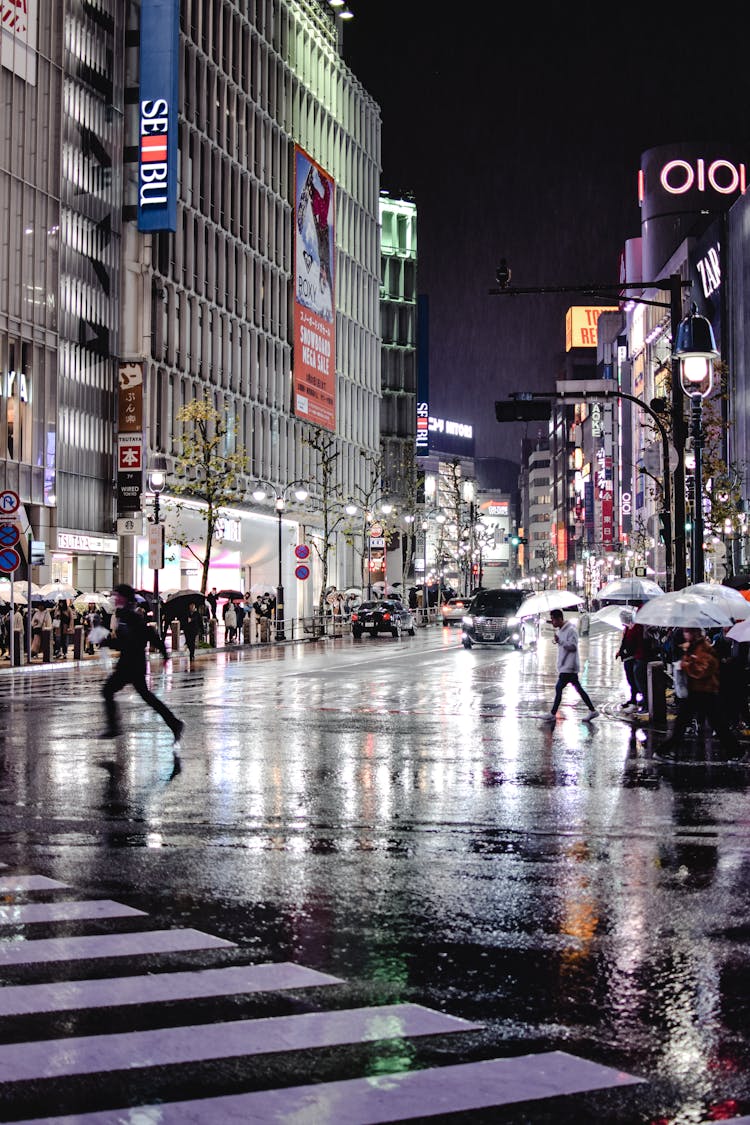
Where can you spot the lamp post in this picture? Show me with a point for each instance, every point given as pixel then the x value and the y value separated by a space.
pixel 279 503
pixel 157 479
pixel 695 351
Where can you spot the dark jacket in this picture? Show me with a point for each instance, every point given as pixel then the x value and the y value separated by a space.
pixel 130 637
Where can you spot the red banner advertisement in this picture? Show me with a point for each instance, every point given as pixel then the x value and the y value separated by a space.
pixel 314 371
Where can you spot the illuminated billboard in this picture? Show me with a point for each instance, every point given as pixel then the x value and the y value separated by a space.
pixel 314 368
pixel 581 325
pixel 157 115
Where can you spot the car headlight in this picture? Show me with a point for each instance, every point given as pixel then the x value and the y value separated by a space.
pixel 467 621
pixel 513 621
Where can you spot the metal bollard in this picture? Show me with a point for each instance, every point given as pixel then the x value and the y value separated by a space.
pixel 656 680
pixel 174 628
pixel 78 642
pixel 46 646
pixel 213 632
pixel 246 630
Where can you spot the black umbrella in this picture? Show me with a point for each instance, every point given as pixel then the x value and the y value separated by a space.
pixel 177 605
pixel 231 595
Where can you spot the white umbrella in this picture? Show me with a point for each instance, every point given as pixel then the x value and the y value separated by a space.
pixel 18 596
pixel 609 618
pixel 629 590
pixel 683 610
pixel 741 631
pixel 545 600
pixel 730 600
pixel 84 600
pixel 56 590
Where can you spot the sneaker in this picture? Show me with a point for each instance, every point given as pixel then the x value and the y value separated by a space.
pixel 177 732
pixel 629 705
pixel 550 716
pixel 591 715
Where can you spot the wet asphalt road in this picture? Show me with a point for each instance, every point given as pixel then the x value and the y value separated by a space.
pixel 395 813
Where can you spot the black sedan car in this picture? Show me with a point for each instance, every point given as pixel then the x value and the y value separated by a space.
pixel 496 617
pixel 387 616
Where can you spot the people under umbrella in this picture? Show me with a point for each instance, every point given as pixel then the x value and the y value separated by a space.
pixel 698 687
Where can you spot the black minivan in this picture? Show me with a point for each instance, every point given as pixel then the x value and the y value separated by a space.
pixel 496 617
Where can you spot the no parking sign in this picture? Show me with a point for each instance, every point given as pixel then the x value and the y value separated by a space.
pixel 302 571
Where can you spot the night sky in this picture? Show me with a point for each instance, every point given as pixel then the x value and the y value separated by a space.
pixel 519 136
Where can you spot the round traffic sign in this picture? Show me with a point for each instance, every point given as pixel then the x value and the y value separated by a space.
pixel 302 551
pixel 10 502
pixel 376 529
pixel 9 534
pixel 302 571
pixel 9 560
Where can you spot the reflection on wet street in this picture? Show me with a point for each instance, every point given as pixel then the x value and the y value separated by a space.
pixel 398 815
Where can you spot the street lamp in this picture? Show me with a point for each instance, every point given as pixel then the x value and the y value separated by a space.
pixel 695 350
pixel 280 497
pixel 157 479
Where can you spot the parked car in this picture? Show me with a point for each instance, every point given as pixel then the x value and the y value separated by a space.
pixel 387 616
pixel 496 617
pixel 453 610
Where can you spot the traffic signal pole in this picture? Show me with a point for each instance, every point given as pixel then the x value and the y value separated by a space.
pixel 674 529
pixel 594 388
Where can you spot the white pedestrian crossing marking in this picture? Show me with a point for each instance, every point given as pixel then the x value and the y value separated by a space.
pixel 27 913
pixel 90 1054
pixel 64 996
pixel 44 950
pixel 387 1097
pixel 15 883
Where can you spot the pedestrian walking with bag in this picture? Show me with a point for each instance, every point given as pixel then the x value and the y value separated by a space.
pixel 566 639
pixel 130 638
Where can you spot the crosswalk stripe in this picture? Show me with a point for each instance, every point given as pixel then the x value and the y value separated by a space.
pixel 385 1097
pixel 62 996
pixel 29 883
pixel 44 950
pixel 89 1054
pixel 26 913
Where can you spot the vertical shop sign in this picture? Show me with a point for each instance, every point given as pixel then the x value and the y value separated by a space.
pixel 157 115
pixel 129 437
pixel 314 370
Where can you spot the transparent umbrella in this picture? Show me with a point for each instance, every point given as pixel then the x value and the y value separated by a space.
pixel 545 600
pixel 683 610
pixel 629 590
pixel 730 600
pixel 609 619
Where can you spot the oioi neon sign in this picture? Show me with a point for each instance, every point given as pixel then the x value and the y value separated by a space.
pixel 680 176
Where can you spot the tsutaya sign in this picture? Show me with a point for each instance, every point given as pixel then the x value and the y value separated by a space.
pixel 581 325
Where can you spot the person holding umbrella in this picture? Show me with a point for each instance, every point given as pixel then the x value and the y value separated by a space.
pixel 191 627
pixel 131 637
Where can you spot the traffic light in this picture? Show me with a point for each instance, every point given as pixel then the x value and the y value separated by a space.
pixel 524 410
pixel 515 540
pixel 665 527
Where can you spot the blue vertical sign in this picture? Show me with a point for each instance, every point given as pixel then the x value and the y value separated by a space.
pixel 157 115
pixel 422 435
